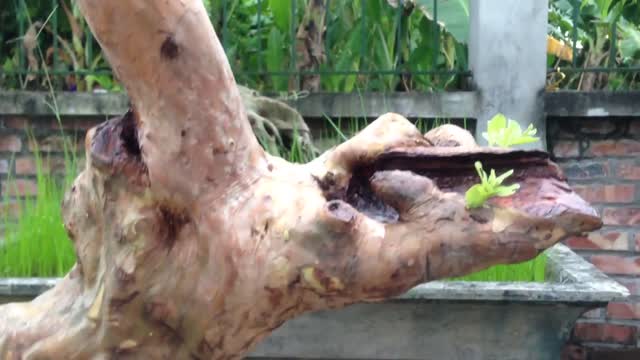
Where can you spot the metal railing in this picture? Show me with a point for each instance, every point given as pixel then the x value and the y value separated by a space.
pixel 368 45
pixel 588 55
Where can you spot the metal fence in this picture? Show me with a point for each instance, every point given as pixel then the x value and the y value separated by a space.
pixel 590 53
pixel 367 45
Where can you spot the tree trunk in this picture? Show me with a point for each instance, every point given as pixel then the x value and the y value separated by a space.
pixel 193 243
pixel 310 44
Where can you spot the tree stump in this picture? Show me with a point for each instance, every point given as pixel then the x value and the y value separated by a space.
pixel 193 243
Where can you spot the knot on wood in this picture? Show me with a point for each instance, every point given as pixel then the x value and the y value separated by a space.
pixel 169 48
pixel 172 221
pixel 115 149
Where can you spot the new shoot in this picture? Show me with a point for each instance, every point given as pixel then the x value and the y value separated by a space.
pixel 489 187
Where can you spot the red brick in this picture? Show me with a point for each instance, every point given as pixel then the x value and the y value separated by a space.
pixel 612 240
pixel 585 171
pixel 593 314
pixel 19 187
pixel 10 143
pixel 27 165
pixel 16 122
pixel 624 147
pixel 623 310
pixel 54 143
pixel 564 149
pixel 11 209
pixel 628 170
pixel 618 193
pixel 637 242
pixel 77 124
pixel 597 126
pixel 634 127
pixel 573 352
pixel 633 284
pixel 609 333
pixel 621 216
pixel 614 264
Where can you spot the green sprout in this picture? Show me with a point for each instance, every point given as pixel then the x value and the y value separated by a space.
pixel 505 132
pixel 490 186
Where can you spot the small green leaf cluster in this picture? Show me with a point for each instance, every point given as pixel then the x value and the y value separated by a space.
pixel 505 132
pixel 489 187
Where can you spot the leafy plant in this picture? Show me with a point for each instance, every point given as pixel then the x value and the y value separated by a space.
pixel 489 187
pixel 506 133
pixel 369 45
pixel 606 35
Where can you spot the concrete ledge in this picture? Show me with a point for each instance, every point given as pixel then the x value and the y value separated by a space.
pixel 460 105
pixel 31 103
pixel 592 104
pixel 316 105
pixel 571 280
pixel 428 105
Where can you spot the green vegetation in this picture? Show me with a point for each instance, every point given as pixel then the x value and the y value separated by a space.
pixel 36 243
pixel 489 187
pixel 528 271
pixel 607 34
pixel 407 45
pixel 259 39
pixel 506 133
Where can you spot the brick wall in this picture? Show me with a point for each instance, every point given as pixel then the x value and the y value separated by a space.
pixel 16 149
pixel 601 157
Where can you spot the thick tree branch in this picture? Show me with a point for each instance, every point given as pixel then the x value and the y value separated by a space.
pixel 186 105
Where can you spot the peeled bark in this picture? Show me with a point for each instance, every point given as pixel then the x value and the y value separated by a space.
pixel 193 243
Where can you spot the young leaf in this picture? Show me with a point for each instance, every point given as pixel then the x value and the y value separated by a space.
pixel 503 191
pixel 505 132
pixel 489 187
pixel 476 196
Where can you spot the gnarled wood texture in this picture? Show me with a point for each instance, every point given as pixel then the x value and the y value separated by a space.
pixel 192 243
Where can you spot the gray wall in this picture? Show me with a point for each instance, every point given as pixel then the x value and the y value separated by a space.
pixel 507 55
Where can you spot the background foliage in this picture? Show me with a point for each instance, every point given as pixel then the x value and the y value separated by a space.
pixel 376 45
pixel 369 44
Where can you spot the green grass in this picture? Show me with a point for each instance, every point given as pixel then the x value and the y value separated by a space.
pixel 36 244
pixel 529 271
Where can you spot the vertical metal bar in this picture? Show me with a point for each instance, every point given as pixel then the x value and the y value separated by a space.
pixel 574 31
pixel 54 25
pixel 364 42
pixel 436 40
pixel 612 47
pixel 89 49
pixel 259 36
pixel 398 21
pixel 224 24
pixel 292 47
pixel 21 31
pixel 363 33
pixel 327 44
